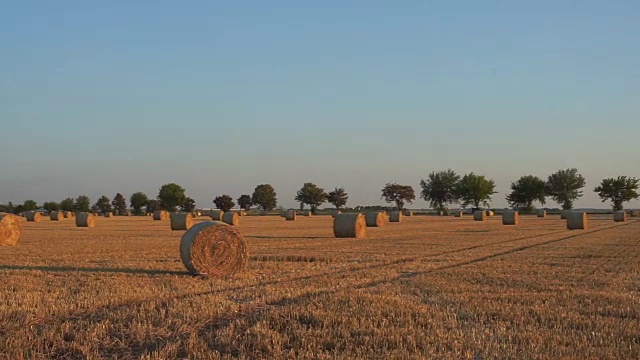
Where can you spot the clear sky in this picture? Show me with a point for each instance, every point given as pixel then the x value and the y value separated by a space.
pixel 219 96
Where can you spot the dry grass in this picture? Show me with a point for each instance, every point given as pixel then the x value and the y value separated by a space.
pixel 429 287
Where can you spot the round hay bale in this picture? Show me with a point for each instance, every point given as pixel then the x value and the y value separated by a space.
pixel 395 216
pixel 85 219
pixel 231 218
pixel 216 215
pixel 564 214
pixel 350 226
pixel 458 214
pixel 635 213
pixel 67 214
pixel 541 213
pixel 160 215
pixel 510 218
pixel 181 221
pixel 620 216
pixel 290 215
pixel 334 213
pixel 213 248
pixel 407 212
pixel 577 220
pixel 375 219
pixel 33 216
pixel 480 215
pixel 56 215
pixel 307 213
pixel 10 230
pixel 489 212
pixel 107 214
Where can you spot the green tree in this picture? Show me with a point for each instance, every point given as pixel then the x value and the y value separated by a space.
pixel 224 202
pixel 189 205
pixel 152 205
pixel 245 202
pixel 311 195
pixel 30 205
pixel 51 206
pixel 440 189
pixel 103 204
pixel 525 191
pixel 264 196
pixel 119 204
pixel 475 190
pixel 19 209
pixel 564 187
pixel 393 192
pixel 68 204
pixel 82 204
pixel 137 201
pixel 171 196
pixel 619 190
pixel 338 197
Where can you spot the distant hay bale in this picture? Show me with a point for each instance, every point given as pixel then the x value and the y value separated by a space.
pixel 307 213
pixel 458 214
pixel 541 213
pixel 231 218
pixel 33 216
pixel 67 214
pixel 160 215
pixel 480 215
pixel 489 212
pixel 635 213
pixel 242 213
pixel 198 213
pixel 264 213
pixel 350 226
pixel 395 216
pixel 181 221
pixel 10 230
pixel 107 214
pixel 334 213
pixel 407 212
pixel 289 215
pixel 56 216
pixel 510 218
pixel 577 220
pixel 85 219
pixel 216 215
pixel 564 214
pixel 375 219
pixel 620 216
pixel 213 248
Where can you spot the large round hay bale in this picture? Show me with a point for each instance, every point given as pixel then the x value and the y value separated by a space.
pixel 489 212
pixel 564 214
pixel 33 216
pixel 620 216
pixel 289 215
pixel 480 215
pixel 510 218
pixel 350 226
pixel 458 214
pixel 395 216
pixel 577 220
pixel 213 248
pixel 85 219
pixel 68 214
pixel 160 215
pixel 181 221
pixel 10 230
pixel 541 213
pixel 56 215
pixel 216 215
pixel 407 212
pixel 375 219
pixel 231 218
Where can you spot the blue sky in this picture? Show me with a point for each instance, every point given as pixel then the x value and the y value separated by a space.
pixel 218 96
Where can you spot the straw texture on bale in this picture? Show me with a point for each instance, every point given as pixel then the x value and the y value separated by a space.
pixel 395 216
pixel 56 215
pixel 160 215
pixel 480 215
pixel 213 248
pixel 564 214
pixel 407 212
pixel 510 218
pixel 541 213
pixel 231 218
pixel 577 220
pixel 85 219
pixel 10 230
pixel 216 215
pixel 68 214
pixel 620 216
pixel 375 219
pixel 33 216
pixel 350 226
pixel 181 221
pixel 290 215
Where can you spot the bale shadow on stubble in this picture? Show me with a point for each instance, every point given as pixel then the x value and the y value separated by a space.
pixel 93 270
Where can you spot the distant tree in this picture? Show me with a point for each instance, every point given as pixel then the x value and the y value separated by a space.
pixel 10 208
pixel 311 195
pixel 399 194
pixel 224 202
pixel 525 191
pixel 189 205
pixel 138 200
pixel 152 205
pixel 475 190
pixel 119 204
pixel 30 205
pixel 18 209
pixel 171 196
pixel 245 202
pixel 103 204
pixel 564 187
pixel 338 197
pixel 68 204
pixel 619 190
pixel 51 206
pixel 82 204
pixel 94 208
pixel 264 196
pixel 440 189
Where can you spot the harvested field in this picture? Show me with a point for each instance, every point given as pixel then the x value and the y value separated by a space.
pixel 428 287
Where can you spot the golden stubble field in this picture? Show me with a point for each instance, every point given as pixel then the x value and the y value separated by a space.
pixel 429 287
